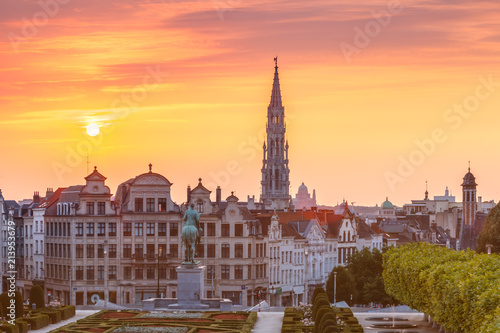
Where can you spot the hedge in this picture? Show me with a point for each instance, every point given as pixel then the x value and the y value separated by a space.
pixel 9 328
pixel 38 321
pixel 22 325
pixel 458 289
pixel 67 312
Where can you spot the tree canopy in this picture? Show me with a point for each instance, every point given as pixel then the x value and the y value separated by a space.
pixel 491 232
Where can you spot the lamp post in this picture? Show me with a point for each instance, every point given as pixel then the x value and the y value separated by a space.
pixel 106 293
pixel 334 287
pixel 70 285
pixel 307 278
pixel 488 247
pixel 158 287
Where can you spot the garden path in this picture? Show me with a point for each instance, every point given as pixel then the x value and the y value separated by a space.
pixel 268 322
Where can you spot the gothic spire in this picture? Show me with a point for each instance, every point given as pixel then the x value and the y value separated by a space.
pixel 276 94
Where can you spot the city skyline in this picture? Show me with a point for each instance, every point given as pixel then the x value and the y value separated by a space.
pixel 360 102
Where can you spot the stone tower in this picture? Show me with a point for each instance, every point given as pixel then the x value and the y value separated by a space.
pixel 469 207
pixel 275 173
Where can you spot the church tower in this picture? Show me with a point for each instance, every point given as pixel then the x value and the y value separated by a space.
pixel 469 205
pixel 275 173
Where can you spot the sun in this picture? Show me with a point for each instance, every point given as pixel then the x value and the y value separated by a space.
pixel 92 129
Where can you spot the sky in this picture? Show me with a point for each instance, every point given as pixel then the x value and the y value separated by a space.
pixel 379 96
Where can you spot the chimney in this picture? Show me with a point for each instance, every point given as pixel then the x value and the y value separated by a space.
pixel 49 193
pixel 36 197
pixel 218 194
pixel 189 194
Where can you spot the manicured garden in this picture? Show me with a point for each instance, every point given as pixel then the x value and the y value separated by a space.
pixel 21 318
pixel 320 317
pixel 131 321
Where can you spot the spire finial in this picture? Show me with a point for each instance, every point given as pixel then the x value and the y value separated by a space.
pixel 95 168
pixel 276 61
pixel 469 166
pixel 199 179
pixel 150 167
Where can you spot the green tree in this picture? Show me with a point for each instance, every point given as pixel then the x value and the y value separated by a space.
pixel 5 302
pixel 491 232
pixel 365 266
pixel 345 284
pixel 36 297
pixel 374 291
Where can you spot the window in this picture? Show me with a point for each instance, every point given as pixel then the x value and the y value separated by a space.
pixel 162 273
pixel 101 208
pixel 225 229
pixel 127 229
pixel 174 229
pixel 173 273
pixel 210 229
pixel 249 272
pixel 210 271
pixel 224 272
pixel 238 230
pixel 112 251
pixel 210 250
pixel 199 206
pixel 79 230
pixel 150 229
pixel 90 229
pixel 162 204
pixel 162 250
pixel 112 229
pixel 79 273
pixel 101 229
pixel 127 273
pixel 127 250
pixel 139 250
pixel 200 250
pixel 225 250
pixel 150 272
pixel 112 272
pixel 139 273
pixel 90 251
pixel 138 229
pixel 79 251
pixel 238 272
pixel 90 272
pixel 150 250
pixel 238 250
pixel 162 229
pixel 100 250
pixel 90 208
pixel 138 204
pixel 100 272
pixel 150 204
pixel 249 250
pixel 174 250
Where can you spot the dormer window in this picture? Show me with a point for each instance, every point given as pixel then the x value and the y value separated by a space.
pixel 199 206
pixel 90 208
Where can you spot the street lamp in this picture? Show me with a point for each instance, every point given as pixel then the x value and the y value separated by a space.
pixel 488 247
pixel 158 269
pixel 106 294
pixel 305 284
pixel 334 287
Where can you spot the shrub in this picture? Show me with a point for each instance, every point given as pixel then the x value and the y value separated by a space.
pixel 55 316
pixel 320 302
pixel 319 314
pixel 37 297
pixel 22 325
pixel 330 329
pixel 8 328
pixel 317 291
pixel 328 319
pixel 67 312
pixel 5 301
pixel 38 321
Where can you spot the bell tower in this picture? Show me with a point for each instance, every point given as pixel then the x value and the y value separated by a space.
pixel 469 202
pixel 275 182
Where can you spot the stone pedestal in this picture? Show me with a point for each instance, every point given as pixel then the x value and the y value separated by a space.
pixel 190 287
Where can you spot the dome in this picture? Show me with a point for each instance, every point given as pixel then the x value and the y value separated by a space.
pixel 469 179
pixel 303 188
pixel 387 204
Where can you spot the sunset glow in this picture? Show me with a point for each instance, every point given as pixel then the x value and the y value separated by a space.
pixel 368 89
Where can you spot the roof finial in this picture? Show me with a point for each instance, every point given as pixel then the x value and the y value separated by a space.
pixel 276 61
pixel 150 167
pixel 199 179
pixel 469 166
pixel 95 168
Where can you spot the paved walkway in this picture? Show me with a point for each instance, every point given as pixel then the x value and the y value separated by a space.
pixel 80 314
pixel 268 322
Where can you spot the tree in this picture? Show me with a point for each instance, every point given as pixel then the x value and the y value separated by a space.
pixel 5 302
pixel 364 265
pixel 374 291
pixel 491 232
pixel 36 297
pixel 345 284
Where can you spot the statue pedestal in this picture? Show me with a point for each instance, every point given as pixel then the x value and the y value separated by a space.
pixel 190 287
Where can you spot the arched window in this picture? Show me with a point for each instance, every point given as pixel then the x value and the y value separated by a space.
pixel 277 147
pixel 276 179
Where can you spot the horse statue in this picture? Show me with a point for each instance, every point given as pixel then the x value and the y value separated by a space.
pixel 191 232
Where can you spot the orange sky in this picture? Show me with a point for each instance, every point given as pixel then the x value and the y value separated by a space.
pixel 185 85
